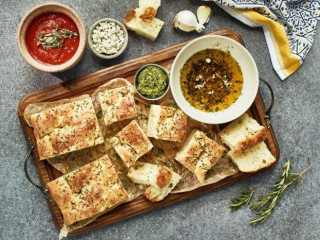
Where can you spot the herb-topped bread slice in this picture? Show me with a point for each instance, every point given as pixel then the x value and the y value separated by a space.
pixel 243 133
pixel 199 154
pixel 88 191
pixel 66 128
pixel 131 143
pixel 253 159
pixel 159 179
pixel 117 104
pixel 167 123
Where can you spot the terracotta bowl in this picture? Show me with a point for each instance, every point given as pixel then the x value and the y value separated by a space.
pixel 38 10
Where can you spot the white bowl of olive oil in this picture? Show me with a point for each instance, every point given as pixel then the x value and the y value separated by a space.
pixel 214 79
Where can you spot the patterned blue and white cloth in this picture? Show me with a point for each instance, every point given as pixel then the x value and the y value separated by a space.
pixel 289 27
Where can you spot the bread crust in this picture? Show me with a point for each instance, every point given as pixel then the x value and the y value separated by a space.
pixel 88 191
pixel 251 141
pixel 65 128
pixel 131 143
pixel 148 14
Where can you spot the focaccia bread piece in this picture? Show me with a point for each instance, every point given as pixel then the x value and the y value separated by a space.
pixel 148 27
pixel 131 143
pixel 148 9
pixel 66 128
pixel 243 133
pixel 199 154
pixel 253 159
pixel 88 191
pixel 167 123
pixel 117 104
pixel 159 179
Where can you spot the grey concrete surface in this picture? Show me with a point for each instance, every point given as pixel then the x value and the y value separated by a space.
pixel 24 213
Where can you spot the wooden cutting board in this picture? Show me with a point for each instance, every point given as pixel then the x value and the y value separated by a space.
pixel 87 84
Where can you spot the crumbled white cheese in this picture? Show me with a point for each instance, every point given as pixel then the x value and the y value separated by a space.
pixel 213 76
pixel 226 83
pixel 210 93
pixel 199 78
pixel 108 38
pixel 208 60
pixel 199 86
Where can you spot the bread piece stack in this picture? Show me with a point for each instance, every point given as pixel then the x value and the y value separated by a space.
pixel 199 154
pixel 159 179
pixel 142 20
pixel 245 138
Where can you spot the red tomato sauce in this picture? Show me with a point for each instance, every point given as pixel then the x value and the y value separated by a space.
pixel 45 23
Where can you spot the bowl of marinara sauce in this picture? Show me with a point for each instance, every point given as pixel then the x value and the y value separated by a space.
pixel 52 37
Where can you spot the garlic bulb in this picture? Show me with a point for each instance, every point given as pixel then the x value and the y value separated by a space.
pixel 187 21
pixel 204 14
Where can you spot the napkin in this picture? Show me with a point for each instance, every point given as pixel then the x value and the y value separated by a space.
pixel 289 27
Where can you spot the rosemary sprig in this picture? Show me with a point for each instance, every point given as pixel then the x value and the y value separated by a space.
pixel 244 198
pixel 270 201
pixel 53 38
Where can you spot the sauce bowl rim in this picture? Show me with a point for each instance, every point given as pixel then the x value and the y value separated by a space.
pixel 45 8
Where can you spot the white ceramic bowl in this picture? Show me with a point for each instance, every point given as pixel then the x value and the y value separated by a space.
pixel 248 68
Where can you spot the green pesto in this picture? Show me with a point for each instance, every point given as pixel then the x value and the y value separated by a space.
pixel 152 82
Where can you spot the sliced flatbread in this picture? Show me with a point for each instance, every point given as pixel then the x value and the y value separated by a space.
pixel 131 143
pixel 253 159
pixel 88 191
pixel 65 128
pixel 117 104
pixel 243 133
pixel 199 154
pixel 159 179
pixel 167 123
pixel 148 27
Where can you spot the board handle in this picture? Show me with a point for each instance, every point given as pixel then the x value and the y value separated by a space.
pixel 26 160
pixel 267 113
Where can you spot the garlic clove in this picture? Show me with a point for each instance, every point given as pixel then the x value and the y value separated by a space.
pixel 204 14
pixel 187 21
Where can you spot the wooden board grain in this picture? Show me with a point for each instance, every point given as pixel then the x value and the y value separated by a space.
pixel 87 84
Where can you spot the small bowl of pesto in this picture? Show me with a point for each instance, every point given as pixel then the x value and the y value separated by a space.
pixel 152 82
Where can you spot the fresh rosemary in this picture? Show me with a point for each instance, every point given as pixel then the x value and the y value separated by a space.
pixel 270 201
pixel 244 198
pixel 53 38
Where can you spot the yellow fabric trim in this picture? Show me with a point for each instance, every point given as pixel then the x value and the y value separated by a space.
pixel 288 62
pixel 276 46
